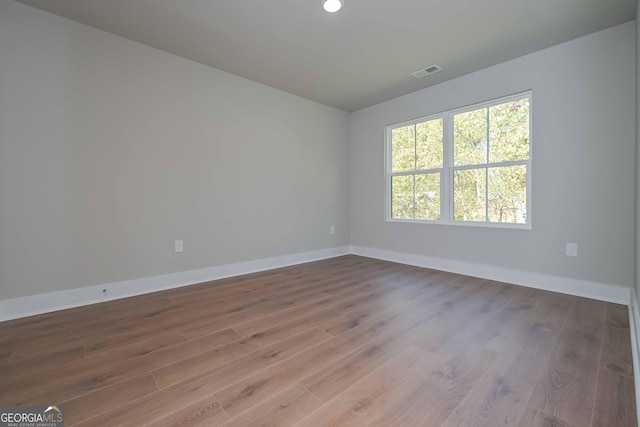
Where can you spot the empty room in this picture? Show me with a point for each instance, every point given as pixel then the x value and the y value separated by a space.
pixel 319 213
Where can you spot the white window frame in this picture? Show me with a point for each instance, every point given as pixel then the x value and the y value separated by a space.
pixel 447 171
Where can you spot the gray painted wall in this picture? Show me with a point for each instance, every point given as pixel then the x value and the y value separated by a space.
pixel 583 163
pixel 110 150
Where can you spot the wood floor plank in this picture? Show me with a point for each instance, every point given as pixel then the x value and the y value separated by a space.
pixel 616 351
pixel 615 404
pixel 239 287
pixel 533 417
pixel 275 319
pixel 548 312
pixel 309 321
pixel 247 364
pixel 85 324
pixel 33 343
pixel 616 345
pixel 283 409
pixel 387 302
pixel 617 316
pixel 87 375
pixel 114 335
pixel 201 387
pixel 366 399
pixel 144 346
pixel 342 341
pixel 336 377
pixel 206 318
pixel 28 366
pixel 437 397
pixel 329 288
pixel 343 323
pixel 587 315
pixel 333 379
pixel 254 389
pixel 479 319
pixel 202 413
pixel 164 407
pixel 567 386
pixel 501 395
pixel 90 405
pixel 497 331
pixel 221 377
pixel 209 325
pixel 458 419
pixel 344 304
pixel 18 331
pixel 41 346
pixel 4 358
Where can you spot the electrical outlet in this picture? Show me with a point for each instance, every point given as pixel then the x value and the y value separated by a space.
pixel 332 230
pixel 179 246
pixel 572 249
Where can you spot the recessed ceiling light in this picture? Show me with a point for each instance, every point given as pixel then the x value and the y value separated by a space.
pixel 332 5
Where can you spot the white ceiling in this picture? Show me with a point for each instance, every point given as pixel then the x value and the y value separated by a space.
pixel 355 58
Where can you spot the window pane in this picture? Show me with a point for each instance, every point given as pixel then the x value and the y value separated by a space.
pixel 508 194
pixel 403 149
pixel 402 197
pixel 469 200
pixel 470 137
pixel 509 131
pixel 429 144
pixel 428 196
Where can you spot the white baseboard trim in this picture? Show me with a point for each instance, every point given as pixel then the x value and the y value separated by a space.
pixel 634 323
pixel 45 303
pixel 581 288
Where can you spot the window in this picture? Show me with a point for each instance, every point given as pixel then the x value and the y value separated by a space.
pixel 467 166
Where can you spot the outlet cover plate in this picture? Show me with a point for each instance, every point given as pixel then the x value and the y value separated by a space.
pixel 572 249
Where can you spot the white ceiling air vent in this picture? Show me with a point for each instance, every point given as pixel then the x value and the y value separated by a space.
pixel 426 71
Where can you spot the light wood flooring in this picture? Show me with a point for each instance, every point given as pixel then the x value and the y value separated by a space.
pixel 348 341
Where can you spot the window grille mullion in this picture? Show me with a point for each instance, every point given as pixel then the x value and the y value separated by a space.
pixel 486 194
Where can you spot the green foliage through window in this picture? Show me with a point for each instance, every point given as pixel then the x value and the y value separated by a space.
pixel 486 168
pixel 417 157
